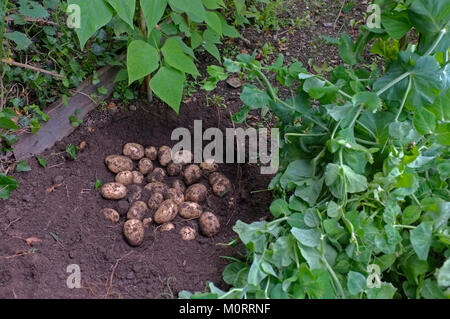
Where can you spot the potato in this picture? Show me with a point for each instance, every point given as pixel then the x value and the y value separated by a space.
pixel 158 175
pixel 166 212
pixel 164 155
pixel 151 152
pixel 113 191
pixel 156 187
pixel 125 178
pixel 179 184
pixel 174 169
pixel 221 185
pixel 138 178
pixel 209 224
pixel 155 201
pixel 189 210
pixel 147 222
pixel 192 174
pixel 145 165
pixel 134 193
pixel 118 163
pixel 196 193
pixel 188 233
pixel 182 157
pixel 167 227
pixel 133 150
pixel 209 165
pixel 134 232
pixel 175 194
pixel 137 210
pixel 214 177
pixel 110 214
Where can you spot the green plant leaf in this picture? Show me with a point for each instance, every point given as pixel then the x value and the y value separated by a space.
pixel 8 124
pixel 98 183
pixel 142 59
pixel 20 39
pixel 72 151
pixel 22 166
pixel 279 207
pixel 386 291
pixel 175 57
pixel 396 24
pixel 421 239
pixel 254 97
pixel 443 276
pixel 356 282
pixel 94 15
pixel 369 100
pixel 194 8
pixel 125 10
pixel 168 85
pixel 307 237
pixel 411 214
pixel 32 9
pixel 153 12
pixel 424 121
pixel 213 21
pixel 7 185
pixel 346 50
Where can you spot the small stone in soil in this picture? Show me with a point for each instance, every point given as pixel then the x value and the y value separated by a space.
pixel 58 179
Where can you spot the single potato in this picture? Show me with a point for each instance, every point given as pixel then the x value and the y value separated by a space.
pixel 179 184
pixel 113 191
pixel 221 185
pixel 175 194
pixel 137 210
pixel 145 165
pixel 209 165
pixel 155 201
pixel 151 152
pixel 167 227
pixel 138 178
pixel 209 224
pixel 134 232
pixel 192 174
pixel 133 150
pixel 156 187
pixel 189 210
pixel 118 163
pixel 174 169
pixel 158 175
pixel 166 212
pixel 196 193
pixel 110 214
pixel 125 178
pixel 188 233
pixel 164 155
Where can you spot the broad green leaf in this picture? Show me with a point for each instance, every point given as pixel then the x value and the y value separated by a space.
pixel 309 190
pixel 344 178
pixel 356 282
pixel 279 207
pixel 430 290
pixel 20 39
pixel 333 210
pixel 443 134
pixel 424 121
pixel 213 21
pixel 7 185
pixel 443 276
pixel 444 169
pixel 8 124
pixel 254 97
pixel 32 9
pixel 296 172
pixel 42 161
pixel 153 12
pixel 421 239
pixel 175 57
pixel 346 50
pixel 194 8
pixel 307 237
pixel 369 100
pixel 22 166
pixel 168 85
pixel 241 116
pixel 142 59
pixel 396 24
pixel 411 214
pixel 386 291
pixel 236 274
pixel 125 9
pixel 94 15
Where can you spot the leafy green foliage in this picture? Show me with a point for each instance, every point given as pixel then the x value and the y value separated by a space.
pixel 363 182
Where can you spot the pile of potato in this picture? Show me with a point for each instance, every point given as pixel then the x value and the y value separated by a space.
pixel 183 196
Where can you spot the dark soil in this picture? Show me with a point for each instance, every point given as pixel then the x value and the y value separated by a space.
pixel 59 206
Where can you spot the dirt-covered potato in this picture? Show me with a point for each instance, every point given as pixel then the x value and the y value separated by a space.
pixel 175 194
pixel 167 227
pixel 155 201
pixel 151 152
pixel 209 224
pixel 174 169
pixel 164 155
pixel 134 232
pixel 138 178
pixel 166 212
pixel 145 165
pixel 134 193
pixel 158 175
pixel 182 157
pixel 113 191
pixel 209 165
pixel 110 214
pixel 147 222
pixel 118 163
pixel 125 178
pixel 192 174
pixel 179 184
pixel 189 210
pixel 188 233
pixel 196 193
pixel 156 187
pixel 221 185
pixel 137 210
pixel 133 150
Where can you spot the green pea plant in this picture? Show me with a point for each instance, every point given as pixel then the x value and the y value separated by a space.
pixel 161 37
pixel 362 203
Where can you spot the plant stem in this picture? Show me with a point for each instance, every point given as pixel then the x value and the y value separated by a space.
pixel 392 83
pixel 405 97
pixel 436 42
pixel 147 78
pixel 306 134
